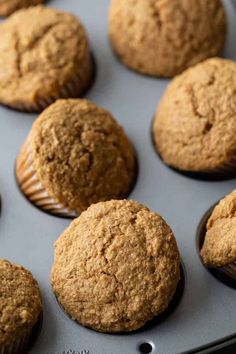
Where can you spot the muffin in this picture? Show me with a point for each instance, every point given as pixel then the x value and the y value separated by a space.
pixel 194 128
pixel 44 55
pixel 7 7
pixel 163 38
pixel 219 247
pixel 20 308
pixel 76 154
pixel 116 266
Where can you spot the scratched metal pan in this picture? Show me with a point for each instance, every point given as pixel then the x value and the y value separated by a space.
pixel 205 317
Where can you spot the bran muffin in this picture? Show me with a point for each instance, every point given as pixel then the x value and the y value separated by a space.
pixel 20 307
pixel 219 248
pixel 163 37
pixel 116 266
pixel 76 154
pixel 44 55
pixel 194 128
pixel 7 7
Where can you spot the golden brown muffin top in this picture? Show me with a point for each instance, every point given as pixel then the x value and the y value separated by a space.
pixel 219 246
pixel 7 7
pixel 116 266
pixel 20 302
pixel 195 124
pixel 81 155
pixel 41 49
pixel 163 37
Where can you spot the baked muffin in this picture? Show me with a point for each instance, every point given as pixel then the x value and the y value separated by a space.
pixel 163 37
pixel 194 128
pixel 76 154
pixel 219 248
pixel 20 308
pixel 116 266
pixel 7 7
pixel 44 55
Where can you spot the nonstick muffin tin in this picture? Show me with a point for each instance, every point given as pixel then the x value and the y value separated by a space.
pixel 204 318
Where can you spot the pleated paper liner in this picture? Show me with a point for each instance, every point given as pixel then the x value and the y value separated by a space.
pixel 22 344
pixel 35 192
pixel 32 188
pixel 224 172
pixel 225 274
pixel 75 87
pixel 157 320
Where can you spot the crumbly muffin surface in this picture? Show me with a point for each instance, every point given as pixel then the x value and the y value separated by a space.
pixel 116 266
pixel 195 124
pixel 7 7
pixel 219 246
pixel 163 37
pixel 41 50
pixel 20 302
pixel 81 155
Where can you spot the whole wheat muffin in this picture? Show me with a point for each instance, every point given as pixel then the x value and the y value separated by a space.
pixel 219 248
pixel 163 37
pixel 75 155
pixel 116 266
pixel 7 7
pixel 20 307
pixel 44 55
pixel 195 124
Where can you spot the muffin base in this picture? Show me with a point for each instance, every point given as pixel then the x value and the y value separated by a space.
pixel 174 303
pixel 227 172
pixel 75 87
pixel 33 189
pixel 225 274
pixel 35 192
pixel 23 344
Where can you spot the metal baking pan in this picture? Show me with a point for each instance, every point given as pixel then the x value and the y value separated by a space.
pixel 205 318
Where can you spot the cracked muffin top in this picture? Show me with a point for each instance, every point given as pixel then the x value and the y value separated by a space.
pixel 41 50
pixel 116 266
pixel 7 7
pixel 195 124
pixel 81 155
pixel 20 302
pixel 163 37
pixel 219 248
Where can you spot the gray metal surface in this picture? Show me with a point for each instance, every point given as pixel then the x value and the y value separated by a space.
pixel 207 311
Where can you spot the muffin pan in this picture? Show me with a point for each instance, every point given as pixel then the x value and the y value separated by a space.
pixel 204 318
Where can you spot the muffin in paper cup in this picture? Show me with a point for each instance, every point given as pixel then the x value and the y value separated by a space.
pixel 219 246
pixel 194 129
pixel 75 155
pixel 54 59
pixel 116 232
pixel 20 308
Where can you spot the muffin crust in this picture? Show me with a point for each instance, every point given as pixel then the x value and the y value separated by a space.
pixel 20 302
pixel 219 248
pixel 195 124
pixel 116 266
pixel 163 37
pixel 7 7
pixel 41 51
